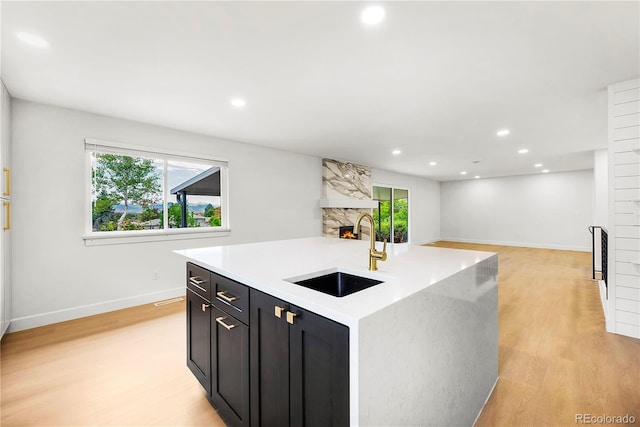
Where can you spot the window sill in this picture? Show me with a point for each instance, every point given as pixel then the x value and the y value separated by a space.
pixel 126 237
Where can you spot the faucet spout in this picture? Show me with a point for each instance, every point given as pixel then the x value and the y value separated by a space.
pixel 374 255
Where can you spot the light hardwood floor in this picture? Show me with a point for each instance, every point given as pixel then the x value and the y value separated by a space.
pixel 127 368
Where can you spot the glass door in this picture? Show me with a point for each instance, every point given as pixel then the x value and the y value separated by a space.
pixel 392 213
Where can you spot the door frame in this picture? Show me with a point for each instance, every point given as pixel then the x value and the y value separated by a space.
pixel 409 221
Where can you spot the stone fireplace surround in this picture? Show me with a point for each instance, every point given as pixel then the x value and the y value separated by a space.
pixel 346 187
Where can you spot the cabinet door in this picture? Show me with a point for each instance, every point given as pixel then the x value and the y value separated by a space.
pixel 230 368
pixel 5 266
pixel 269 361
pixel 198 339
pixel 319 370
pixel 5 145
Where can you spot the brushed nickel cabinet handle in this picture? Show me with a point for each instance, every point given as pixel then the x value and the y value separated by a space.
pixel 221 320
pixel 224 296
pixel 205 306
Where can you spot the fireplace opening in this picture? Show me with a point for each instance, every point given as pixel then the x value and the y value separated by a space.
pixel 347 233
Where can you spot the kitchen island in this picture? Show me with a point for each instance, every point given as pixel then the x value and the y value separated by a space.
pixel 422 345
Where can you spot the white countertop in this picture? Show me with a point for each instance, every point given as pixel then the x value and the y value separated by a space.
pixel 265 266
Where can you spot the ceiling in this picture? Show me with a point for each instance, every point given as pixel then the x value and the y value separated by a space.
pixel 435 80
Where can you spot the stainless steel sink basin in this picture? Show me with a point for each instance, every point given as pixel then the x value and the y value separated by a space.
pixel 337 283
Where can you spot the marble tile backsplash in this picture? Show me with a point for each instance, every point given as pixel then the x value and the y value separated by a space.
pixel 343 180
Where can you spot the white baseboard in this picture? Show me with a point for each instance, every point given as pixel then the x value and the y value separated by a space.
pixel 603 297
pixel 33 321
pixel 520 244
pixel 6 329
pixel 425 242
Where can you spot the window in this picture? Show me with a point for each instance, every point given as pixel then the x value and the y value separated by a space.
pixel 136 190
pixel 392 213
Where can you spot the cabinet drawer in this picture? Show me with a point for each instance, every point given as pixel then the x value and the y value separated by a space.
pixel 230 368
pixel 230 296
pixel 199 281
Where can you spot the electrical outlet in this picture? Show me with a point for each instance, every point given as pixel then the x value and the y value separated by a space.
pixel 154 275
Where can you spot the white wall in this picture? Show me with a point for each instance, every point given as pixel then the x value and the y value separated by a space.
pixel 545 210
pixel 601 188
pixel 273 195
pixel 600 200
pixel 424 203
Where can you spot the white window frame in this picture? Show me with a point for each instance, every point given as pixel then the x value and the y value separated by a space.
pixel 408 190
pixel 96 238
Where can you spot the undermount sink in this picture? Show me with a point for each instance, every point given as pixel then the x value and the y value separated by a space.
pixel 336 283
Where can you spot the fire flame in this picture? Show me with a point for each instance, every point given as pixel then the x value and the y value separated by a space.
pixel 348 235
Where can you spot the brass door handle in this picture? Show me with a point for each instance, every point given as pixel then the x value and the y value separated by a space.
pixel 196 280
pixel 224 296
pixel 7 191
pixel 291 317
pixel 7 224
pixel 278 311
pixel 221 320
pixel 205 306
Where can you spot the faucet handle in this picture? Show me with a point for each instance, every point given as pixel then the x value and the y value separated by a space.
pixel 383 255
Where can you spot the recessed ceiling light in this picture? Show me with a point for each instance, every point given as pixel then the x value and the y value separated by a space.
pixel 537 165
pixel 545 171
pixel 503 132
pixel 238 102
pixel 477 177
pixel 463 173
pixel 396 152
pixel 32 39
pixel 523 151
pixel 372 15
pixel 432 163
